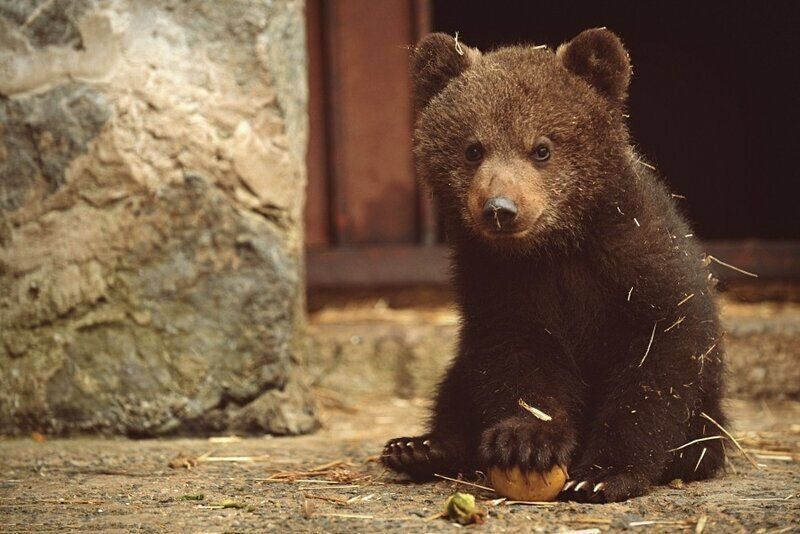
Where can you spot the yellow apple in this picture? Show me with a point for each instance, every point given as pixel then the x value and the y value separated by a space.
pixel 517 485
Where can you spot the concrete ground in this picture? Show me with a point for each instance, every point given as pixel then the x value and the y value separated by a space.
pixel 373 364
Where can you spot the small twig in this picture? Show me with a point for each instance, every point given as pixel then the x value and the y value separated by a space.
pixel 434 517
pixel 329 465
pixel 55 502
pixel 459 50
pixel 325 498
pixel 637 222
pixel 728 460
pixel 233 459
pixel 729 266
pixel 590 521
pixel 495 211
pixel 36 12
pixel 360 498
pixel 328 487
pixel 702 454
pixel 767 452
pixel 630 292
pixel 684 301
pixel 698 440
pixel 224 439
pixel 533 503
pixel 650 344
pixel 658 522
pixel 676 323
pixel 537 413
pixel 781 530
pixel 775 457
pixel 788 497
pixel 744 453
pixel 703 356
pixel 345 516
pixel 701 524
pixel 465 483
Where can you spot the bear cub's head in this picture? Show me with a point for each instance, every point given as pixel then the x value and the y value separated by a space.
pixel 518 144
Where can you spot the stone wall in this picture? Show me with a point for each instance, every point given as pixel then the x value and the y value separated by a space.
pixel 151 191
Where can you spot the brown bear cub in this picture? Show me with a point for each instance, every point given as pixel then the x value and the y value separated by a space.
pixel 581 289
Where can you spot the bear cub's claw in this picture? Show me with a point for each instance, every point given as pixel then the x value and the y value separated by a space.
pixel 418 457
pixel 527 443
pixel 595 484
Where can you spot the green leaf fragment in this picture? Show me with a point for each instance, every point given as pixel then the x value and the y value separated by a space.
pixel 462 509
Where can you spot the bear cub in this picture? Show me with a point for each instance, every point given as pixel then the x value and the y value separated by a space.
pixel 581 289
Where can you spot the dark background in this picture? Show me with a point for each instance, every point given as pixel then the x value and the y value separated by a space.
pixel 713 101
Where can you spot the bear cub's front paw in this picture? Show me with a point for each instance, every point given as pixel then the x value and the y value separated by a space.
pixel 597 484
pixel 418 457
pixel 528 443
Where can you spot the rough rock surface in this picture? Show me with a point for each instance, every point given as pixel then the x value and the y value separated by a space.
pixel 151 186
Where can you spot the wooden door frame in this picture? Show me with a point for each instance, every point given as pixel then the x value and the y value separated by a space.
pixel 361 190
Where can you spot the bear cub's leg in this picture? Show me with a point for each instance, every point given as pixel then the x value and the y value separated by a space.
pixel 641 429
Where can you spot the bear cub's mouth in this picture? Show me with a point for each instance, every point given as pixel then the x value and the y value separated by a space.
pixel 503 235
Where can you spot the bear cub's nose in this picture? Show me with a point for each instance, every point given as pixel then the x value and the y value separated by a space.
pixel 500 212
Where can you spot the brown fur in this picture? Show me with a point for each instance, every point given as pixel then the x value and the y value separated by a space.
pixel 544 300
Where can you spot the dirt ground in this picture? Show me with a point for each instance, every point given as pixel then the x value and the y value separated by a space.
pixel 330 482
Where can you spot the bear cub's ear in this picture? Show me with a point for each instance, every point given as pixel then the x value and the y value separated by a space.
pixel 435 61
pixel 599 57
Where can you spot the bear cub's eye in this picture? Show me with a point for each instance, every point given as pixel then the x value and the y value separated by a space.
pixel 474 153
pixel 541 152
